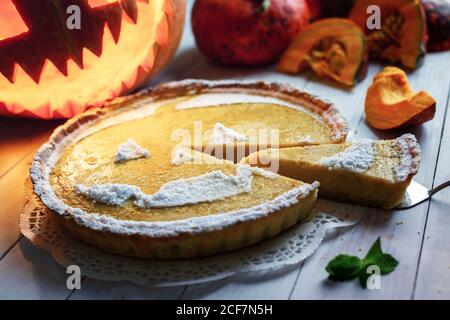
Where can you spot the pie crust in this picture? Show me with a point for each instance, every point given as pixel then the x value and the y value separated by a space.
pixel 190 237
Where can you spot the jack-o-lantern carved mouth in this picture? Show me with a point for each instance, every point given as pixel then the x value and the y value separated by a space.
pixel 39 33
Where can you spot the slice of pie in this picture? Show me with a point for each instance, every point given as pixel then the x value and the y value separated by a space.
pixel 374 173
pixel 137 178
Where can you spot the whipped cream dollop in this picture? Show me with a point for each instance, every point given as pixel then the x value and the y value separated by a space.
pixel 265 173
pixel 130 150
pixel 222 134
pixel 357 158
pixel 181 155
pixel 208 187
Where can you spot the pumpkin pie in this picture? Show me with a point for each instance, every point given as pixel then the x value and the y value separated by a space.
pixel 374 173
pixel 139 177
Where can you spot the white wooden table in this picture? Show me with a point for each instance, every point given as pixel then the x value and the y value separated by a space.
pixel 418 238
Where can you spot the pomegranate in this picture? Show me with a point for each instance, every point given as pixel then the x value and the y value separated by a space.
pixel 247 32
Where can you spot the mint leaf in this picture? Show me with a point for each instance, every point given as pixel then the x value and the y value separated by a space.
pixel 375 249
pixel 363 277
pixel 376 256
pixel 344 267
pixel 385 262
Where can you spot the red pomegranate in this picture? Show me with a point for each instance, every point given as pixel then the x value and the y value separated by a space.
pixel 247 32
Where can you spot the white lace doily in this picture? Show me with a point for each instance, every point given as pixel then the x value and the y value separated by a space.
pixel 274 255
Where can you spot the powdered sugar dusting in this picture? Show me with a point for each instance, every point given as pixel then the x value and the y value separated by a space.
pixel 194 225
pixel 208 187
pixel 265 173
pixel 130 150
pixel 222 134
pixel 111 194
pixel 357 158
pixel 181 156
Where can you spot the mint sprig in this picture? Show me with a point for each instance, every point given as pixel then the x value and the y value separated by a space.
pixel 345 267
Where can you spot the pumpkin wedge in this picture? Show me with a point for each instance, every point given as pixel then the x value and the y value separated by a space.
pixel 391 103
pixel 401 36
pixel 333 48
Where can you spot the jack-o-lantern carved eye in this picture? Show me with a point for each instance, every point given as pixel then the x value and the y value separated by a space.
pixel 11 21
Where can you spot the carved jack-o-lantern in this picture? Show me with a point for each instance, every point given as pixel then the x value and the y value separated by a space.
pixel 58 57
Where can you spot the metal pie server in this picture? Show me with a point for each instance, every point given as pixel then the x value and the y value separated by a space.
pixel 417 193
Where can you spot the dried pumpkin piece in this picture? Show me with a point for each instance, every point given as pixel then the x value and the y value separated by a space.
pixel 333 48
pixel 402 36
pixel 391 103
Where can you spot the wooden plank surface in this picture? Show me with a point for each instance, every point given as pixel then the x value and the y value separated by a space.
pixel 418 238
pixel 19 137
pixel 12 200
pixel 30 273
pixel 14 164
pixel 433 278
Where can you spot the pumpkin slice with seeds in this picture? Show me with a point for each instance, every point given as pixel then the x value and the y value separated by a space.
pixel 332 48
pixel 402 34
